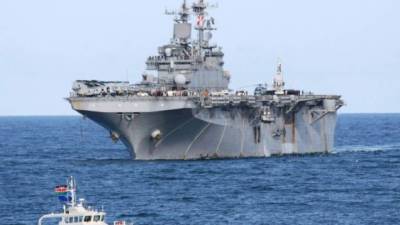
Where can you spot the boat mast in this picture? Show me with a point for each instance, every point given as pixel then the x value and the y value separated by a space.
pixel 72 190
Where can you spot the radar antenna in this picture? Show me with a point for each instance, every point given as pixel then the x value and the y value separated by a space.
pixel 182 16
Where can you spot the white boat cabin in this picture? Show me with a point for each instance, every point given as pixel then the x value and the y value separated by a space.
pixel 76 213
pixel 79 215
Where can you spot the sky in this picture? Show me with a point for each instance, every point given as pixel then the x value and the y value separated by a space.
pixel 350 48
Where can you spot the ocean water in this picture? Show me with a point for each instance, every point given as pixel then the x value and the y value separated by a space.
pixel 357 184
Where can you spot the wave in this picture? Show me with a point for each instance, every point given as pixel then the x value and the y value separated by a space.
pixel 366 148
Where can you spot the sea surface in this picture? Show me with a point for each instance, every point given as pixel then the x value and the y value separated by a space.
pixel 357 184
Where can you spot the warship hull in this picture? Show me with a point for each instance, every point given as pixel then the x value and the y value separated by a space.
pixel 187 134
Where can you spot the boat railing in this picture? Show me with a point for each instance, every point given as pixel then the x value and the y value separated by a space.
pixel 50 216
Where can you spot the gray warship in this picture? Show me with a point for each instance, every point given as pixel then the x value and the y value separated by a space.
pixel 183 108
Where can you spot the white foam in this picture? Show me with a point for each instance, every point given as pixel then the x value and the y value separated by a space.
pixel 372 148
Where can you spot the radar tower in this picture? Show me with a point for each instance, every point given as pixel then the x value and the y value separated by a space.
pixel 203 23
pixel 182 27
pixel 279 84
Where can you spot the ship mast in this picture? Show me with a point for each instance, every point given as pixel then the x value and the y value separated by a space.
pixel 183 14
pixel 279 84
pixel 182 27
pixel 199 11
pixel 203 23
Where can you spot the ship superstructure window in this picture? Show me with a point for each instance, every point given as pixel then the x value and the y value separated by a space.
pixel 87 219
pixel 75 219
pixel 102 218
pixel 96 218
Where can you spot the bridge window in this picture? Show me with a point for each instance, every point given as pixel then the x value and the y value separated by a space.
pixel 96 218
pixel 102 218
pixel 80 219
pixel 87 219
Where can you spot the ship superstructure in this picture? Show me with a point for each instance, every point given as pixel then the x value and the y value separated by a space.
pixel 183 107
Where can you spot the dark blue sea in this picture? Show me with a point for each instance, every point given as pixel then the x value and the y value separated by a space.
pixel 357 184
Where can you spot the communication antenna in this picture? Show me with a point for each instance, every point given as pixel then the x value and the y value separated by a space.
pixel 213 5
pixel 180 16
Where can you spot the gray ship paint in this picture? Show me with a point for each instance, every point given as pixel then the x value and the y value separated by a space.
pixel 186 110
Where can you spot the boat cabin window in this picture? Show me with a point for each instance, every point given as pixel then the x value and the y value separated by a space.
pixel 96 218
pixel 87 219
pixel 71 219
pixel 80 219
pixel 102 218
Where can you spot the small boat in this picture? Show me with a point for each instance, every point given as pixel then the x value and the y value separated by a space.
pixel 75 212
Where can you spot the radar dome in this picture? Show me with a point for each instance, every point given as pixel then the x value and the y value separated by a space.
pixel 168 52
pixel 180 79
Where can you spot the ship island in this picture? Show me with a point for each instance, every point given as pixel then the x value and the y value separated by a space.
pixel 183 108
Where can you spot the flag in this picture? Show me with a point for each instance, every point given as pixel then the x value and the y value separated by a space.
pixel 200 21
pixel 64 198
pixel 61 189
pixel 62 192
